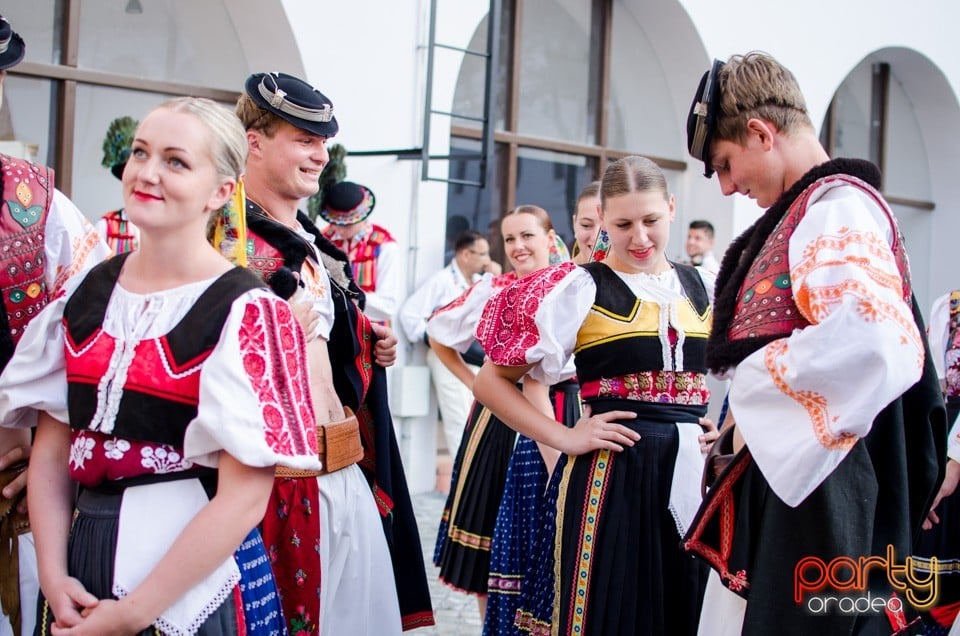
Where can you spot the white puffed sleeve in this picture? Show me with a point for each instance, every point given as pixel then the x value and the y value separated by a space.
pixel 803 401
pixel 453 325
pixel 536 320
pixel 35 379
pixel 254 400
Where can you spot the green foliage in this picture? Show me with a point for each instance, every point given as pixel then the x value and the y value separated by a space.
pixel 334 172
pixel 116 145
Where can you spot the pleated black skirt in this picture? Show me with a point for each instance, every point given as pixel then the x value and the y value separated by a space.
pixel 91 549
pixel 621 567
pixel 477 483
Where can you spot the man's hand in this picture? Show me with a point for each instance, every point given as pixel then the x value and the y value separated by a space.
pixel 306 315
pixel 385 351
pixel 709 436
pixel 493 267
pixel 14 488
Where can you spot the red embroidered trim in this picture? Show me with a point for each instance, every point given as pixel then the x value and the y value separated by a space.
pixel 508 328
pixel 417 619
pixel 274 357
pixel 720 500
pixel 238 610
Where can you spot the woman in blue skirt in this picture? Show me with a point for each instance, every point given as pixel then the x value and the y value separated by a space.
pixel 466 543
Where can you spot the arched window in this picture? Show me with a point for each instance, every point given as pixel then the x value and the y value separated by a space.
pixel 882 112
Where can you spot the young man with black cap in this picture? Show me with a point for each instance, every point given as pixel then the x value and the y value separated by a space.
pixel 44 241
pixel 834 406
pixel 328 544
pixel 372 250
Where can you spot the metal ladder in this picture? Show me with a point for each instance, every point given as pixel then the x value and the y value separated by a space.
pixel 491 56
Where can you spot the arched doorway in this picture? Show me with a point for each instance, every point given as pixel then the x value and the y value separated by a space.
pixel 896 108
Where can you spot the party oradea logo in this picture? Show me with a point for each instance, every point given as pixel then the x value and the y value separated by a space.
pixel 841 585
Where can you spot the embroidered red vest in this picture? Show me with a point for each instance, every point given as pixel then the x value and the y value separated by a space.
pixel 26 198
pixel 162 384
pixel 765 306
pixel 363 256
pixel 263 259
pixel 350 324
pixel 120 236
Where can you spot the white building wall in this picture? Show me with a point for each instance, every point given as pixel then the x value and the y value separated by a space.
pixel 369 58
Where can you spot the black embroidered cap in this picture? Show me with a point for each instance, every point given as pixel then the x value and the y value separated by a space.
pixel 294 101
pixel 702 119
pixel 12 47
pixel 346 203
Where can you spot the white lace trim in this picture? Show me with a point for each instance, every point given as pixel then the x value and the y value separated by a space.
pixel 166 363
pixel 169 629
pixel 681 528
pixel 681 337
pixel 76 353
pixel 110 387
pixel 663 330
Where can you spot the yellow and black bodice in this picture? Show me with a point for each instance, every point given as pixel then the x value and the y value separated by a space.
pixel 645 349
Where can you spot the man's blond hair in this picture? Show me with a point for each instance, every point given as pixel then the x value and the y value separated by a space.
pixel 757 86
pixel 253 117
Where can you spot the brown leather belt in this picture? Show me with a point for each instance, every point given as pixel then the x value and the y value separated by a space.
pixel 338 446
pixel 12 524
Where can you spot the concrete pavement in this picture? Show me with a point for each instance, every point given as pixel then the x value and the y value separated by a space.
pixel 456 613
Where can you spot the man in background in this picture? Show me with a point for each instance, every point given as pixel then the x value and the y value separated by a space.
pixel 471 259
pixel 699 246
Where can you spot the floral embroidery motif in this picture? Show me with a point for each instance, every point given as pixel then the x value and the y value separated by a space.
pixel 952 356
pixel 80 451
pixel 814 403
pixel 737 582
pixel 820 302
pixel 24 203
pixel 160 460
pixel 665 387
pixel 115 448
pixel 274 358
pixel 508 328
pixel 874 245
pixel 96 458
pixel 301 624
